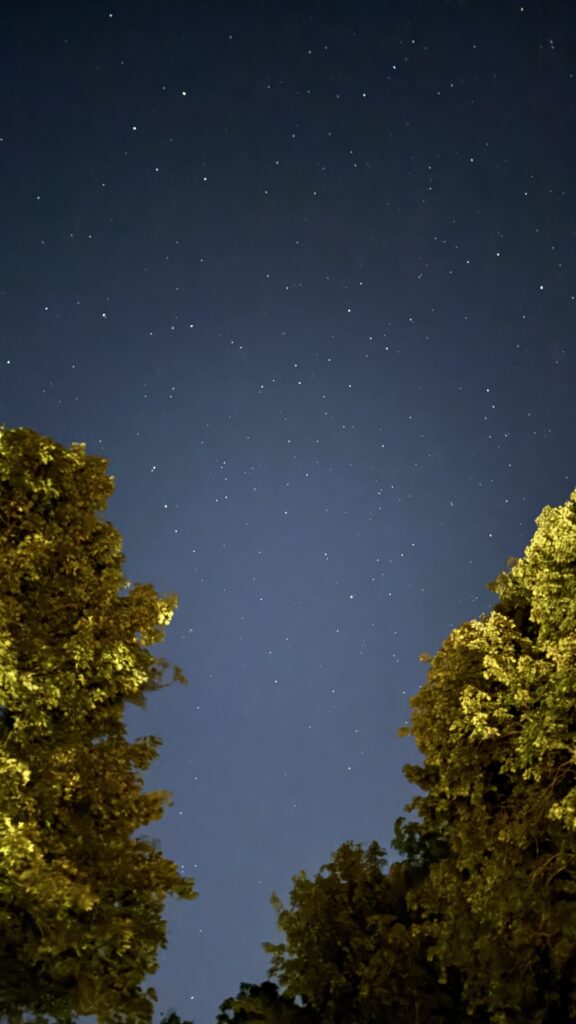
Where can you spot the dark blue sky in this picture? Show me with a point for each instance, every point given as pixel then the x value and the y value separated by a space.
pixel 305 274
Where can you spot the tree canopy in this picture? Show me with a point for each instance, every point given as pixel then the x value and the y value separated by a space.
pixel 81 898
pixel 496 722
pixel 350 951
pixel 263 1004
pixel 477 921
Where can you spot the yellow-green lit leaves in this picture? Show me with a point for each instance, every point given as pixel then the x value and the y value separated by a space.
pixel 81 899
pixel 549 571
pixel 496 724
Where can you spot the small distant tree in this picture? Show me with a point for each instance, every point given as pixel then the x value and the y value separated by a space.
pixel 81 898
pixel 171 1017
pixel 263 1004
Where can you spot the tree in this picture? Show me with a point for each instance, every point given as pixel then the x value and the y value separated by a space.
pixel 171 1017
pixel 350 950
pixel 477 922
pixel 496 723
pixel 263 1004
pixel 81 898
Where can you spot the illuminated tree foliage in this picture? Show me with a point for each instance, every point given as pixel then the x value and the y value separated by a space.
pixel 477 921
pixel 263 1004
pixel 496 723
pixel 349 950
pixel 81 900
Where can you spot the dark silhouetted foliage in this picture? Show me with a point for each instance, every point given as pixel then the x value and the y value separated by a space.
pixel 263 1004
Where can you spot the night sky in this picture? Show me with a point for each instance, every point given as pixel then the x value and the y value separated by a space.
pixel 305 274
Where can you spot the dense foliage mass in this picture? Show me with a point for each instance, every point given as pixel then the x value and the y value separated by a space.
pixel 81 899
pixel 496 723
pixel 477 921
